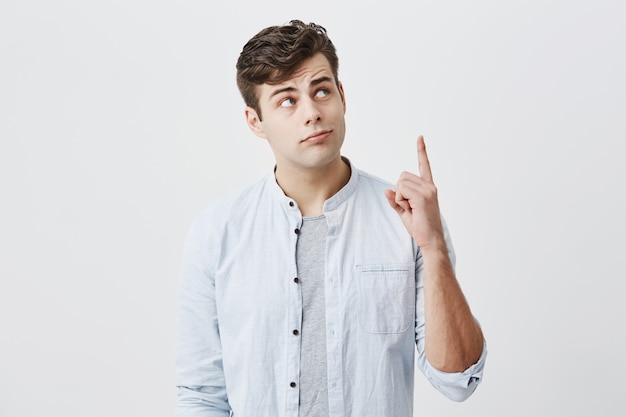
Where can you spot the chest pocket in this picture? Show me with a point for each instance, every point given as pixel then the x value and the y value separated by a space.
pixel 386 297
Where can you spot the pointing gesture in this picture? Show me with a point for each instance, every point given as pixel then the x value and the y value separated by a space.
pixel 453 339
pixel 415 200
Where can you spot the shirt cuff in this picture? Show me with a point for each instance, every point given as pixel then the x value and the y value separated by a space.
pixel 457 386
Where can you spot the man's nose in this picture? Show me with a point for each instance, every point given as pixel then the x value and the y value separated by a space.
pixel 311 111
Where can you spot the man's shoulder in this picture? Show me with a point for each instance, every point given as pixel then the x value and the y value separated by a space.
pixel 234 204
pixel 372 181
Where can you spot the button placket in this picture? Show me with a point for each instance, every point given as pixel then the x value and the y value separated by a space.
pixel 295 314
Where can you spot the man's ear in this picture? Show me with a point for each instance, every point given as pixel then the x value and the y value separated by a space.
pixel 343 96
pixel 254 122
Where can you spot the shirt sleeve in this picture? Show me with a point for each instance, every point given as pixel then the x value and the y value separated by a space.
pixel 457 386
pixel 199 372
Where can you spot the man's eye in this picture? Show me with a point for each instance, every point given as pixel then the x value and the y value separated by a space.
pixel 322 92
pixel 288 102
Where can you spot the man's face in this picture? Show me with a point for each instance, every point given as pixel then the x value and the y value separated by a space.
pixel 303 117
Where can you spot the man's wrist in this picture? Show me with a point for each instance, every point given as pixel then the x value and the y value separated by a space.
pixel 435 249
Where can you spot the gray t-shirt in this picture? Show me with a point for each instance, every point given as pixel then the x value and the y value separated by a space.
pixel 310 254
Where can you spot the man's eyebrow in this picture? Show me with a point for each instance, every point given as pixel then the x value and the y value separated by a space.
pixel 282 90
pixel 315 82
pixel 321 80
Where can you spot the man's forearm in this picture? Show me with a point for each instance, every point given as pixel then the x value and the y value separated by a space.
pixel 453 339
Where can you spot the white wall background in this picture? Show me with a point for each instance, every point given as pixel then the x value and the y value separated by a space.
pixel 119 120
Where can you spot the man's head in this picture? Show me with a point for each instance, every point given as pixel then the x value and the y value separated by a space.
pixel 274 54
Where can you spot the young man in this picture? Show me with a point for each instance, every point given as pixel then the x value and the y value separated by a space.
pixel 306 293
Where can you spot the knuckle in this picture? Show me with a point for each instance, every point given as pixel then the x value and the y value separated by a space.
pixel 431 192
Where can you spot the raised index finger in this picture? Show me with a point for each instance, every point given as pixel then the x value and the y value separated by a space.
pixel 422 159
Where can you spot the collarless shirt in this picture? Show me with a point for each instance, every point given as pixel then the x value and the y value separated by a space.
pixel 240 307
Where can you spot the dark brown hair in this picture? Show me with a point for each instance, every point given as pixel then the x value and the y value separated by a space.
pixel 273 55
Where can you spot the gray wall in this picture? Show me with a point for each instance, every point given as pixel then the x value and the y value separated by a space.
pixel 120 120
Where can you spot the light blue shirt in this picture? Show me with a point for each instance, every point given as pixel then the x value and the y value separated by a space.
pixel 240 308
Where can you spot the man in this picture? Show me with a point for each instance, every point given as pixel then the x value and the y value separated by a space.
pixel 306 293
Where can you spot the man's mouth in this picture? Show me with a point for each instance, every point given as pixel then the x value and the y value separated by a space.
pixel 317 136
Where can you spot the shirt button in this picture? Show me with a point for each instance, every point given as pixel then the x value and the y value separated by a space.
pixel 296 280
pixel 292 384
pixel 291 204
pixel 297 231
pixel 296 332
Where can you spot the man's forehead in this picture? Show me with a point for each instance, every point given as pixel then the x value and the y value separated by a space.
pixel 312 67
pixel 308 74
pixel 310 70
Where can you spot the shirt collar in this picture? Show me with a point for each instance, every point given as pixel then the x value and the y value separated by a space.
pixel 331 204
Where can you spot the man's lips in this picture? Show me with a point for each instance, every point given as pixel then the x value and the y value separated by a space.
pixel 317 136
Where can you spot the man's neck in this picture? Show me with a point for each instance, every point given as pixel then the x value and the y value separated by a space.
pixel 310 188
